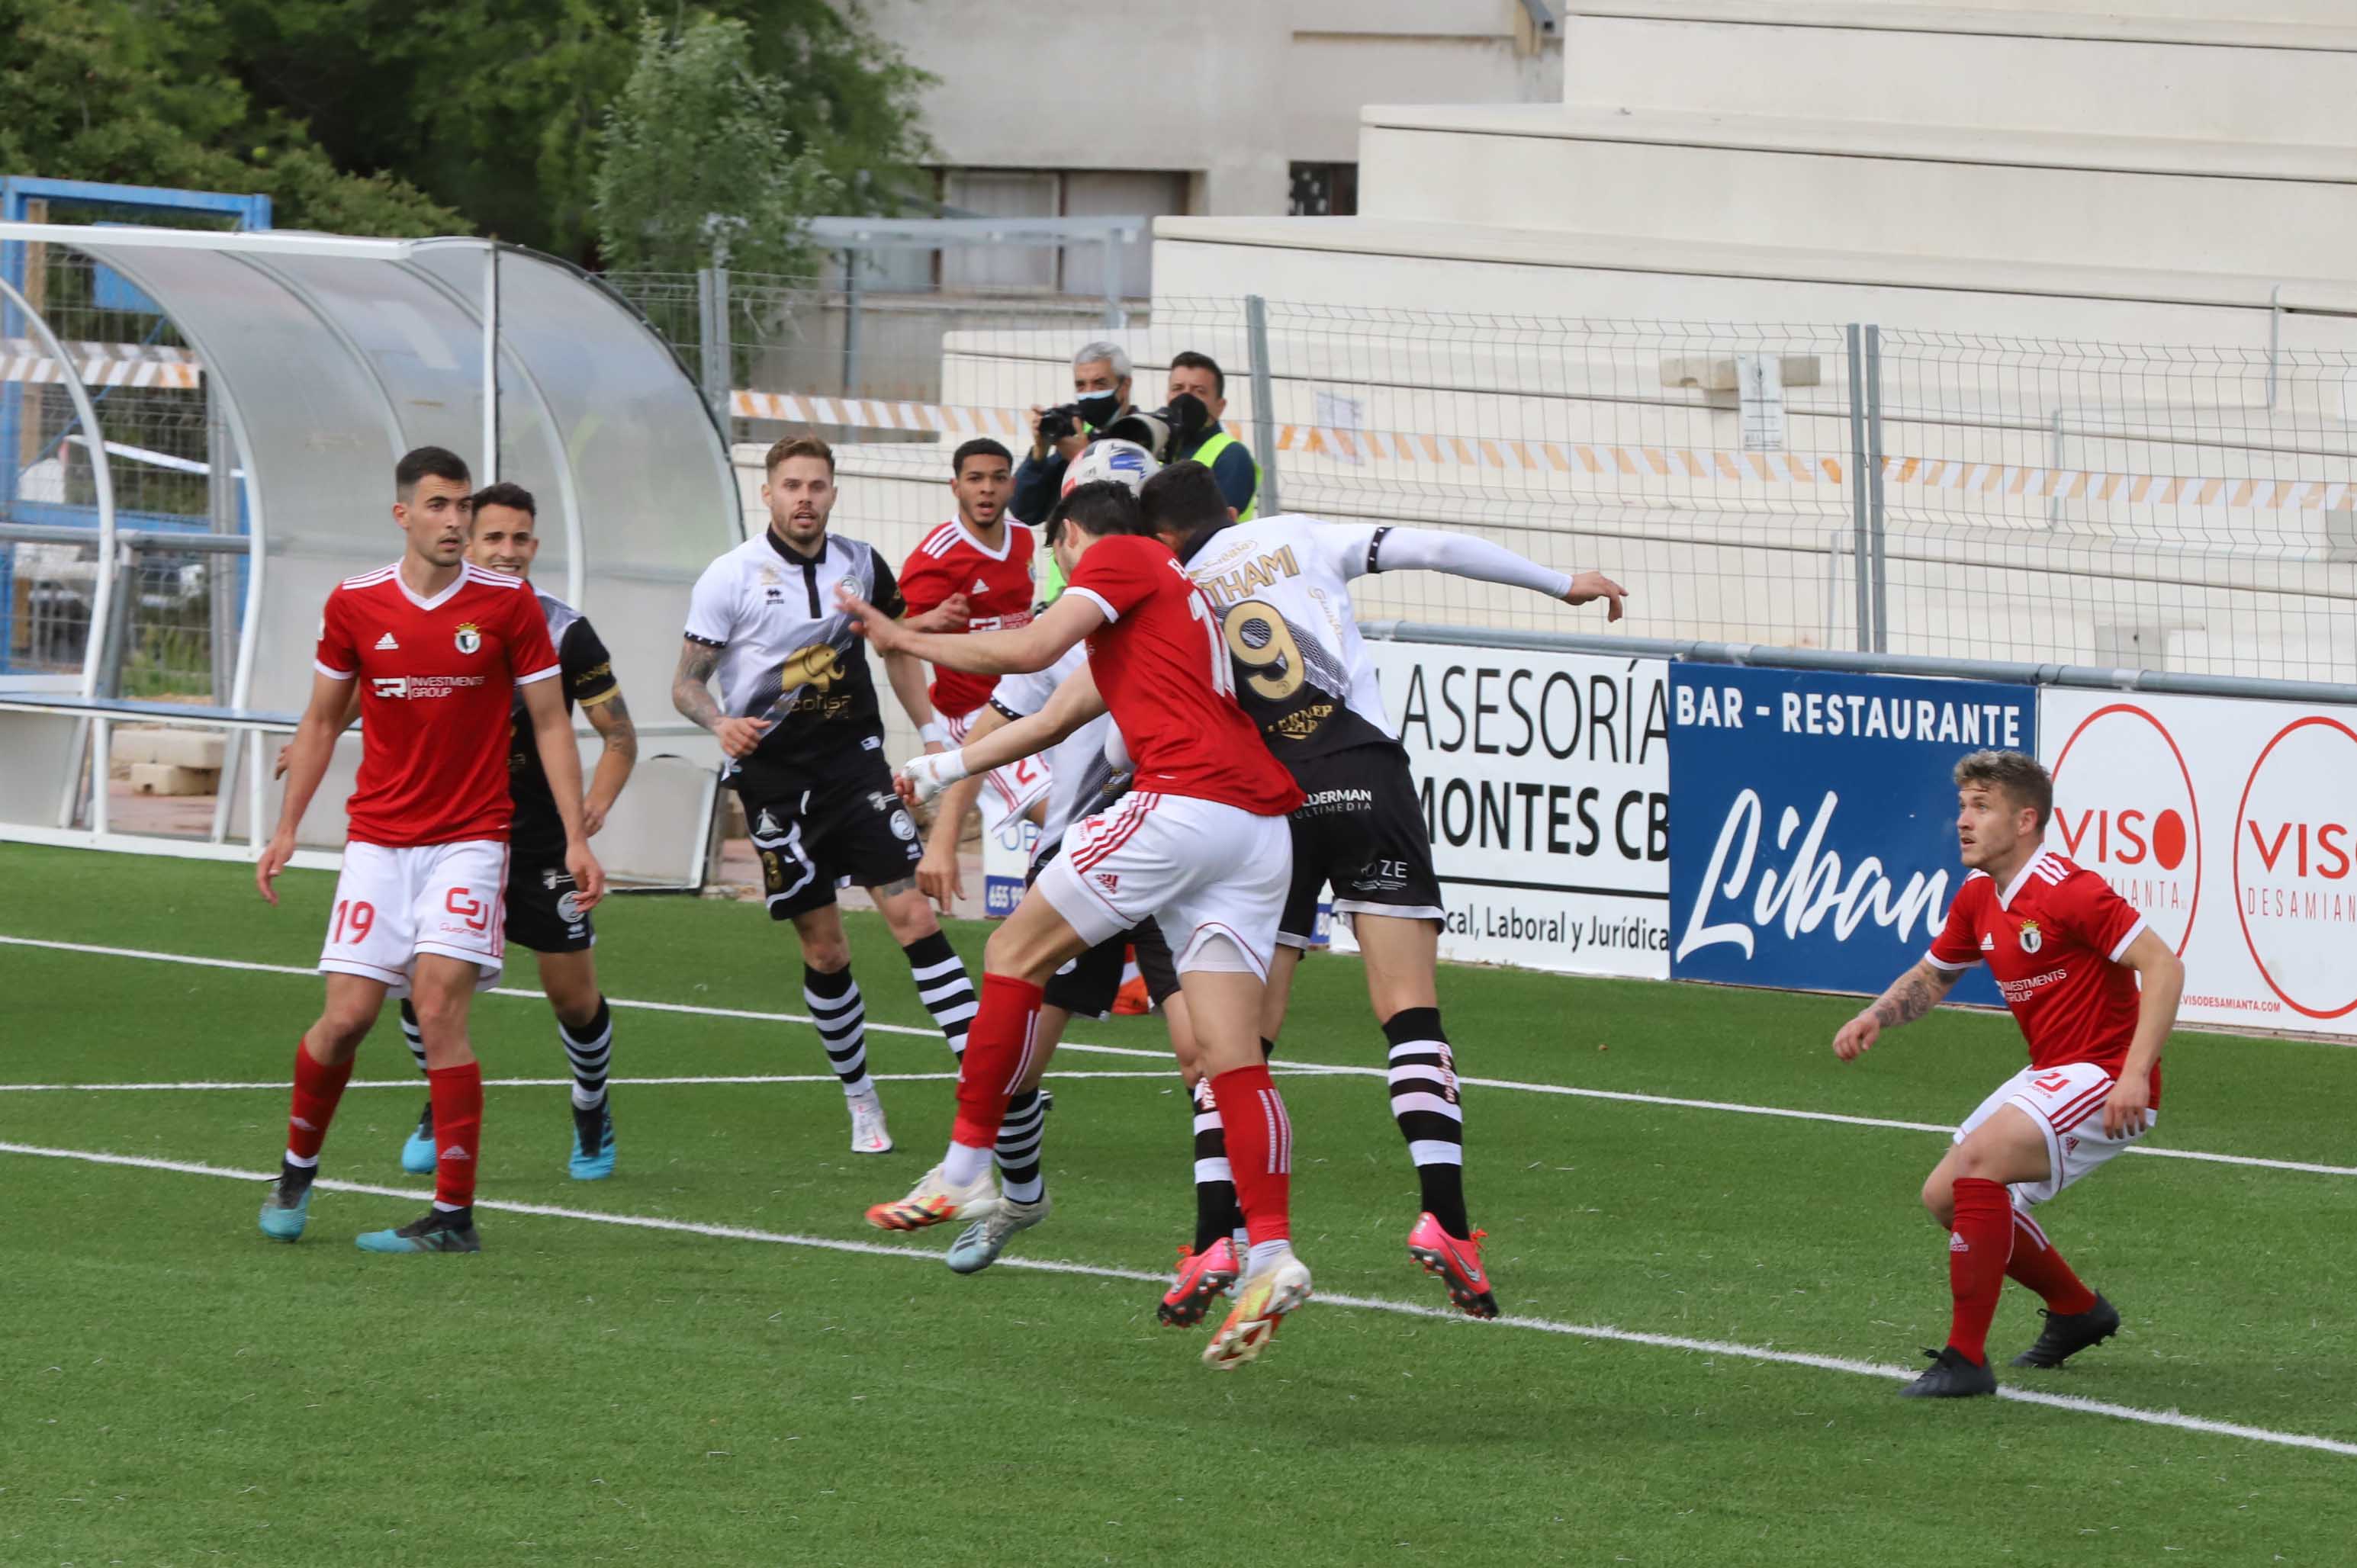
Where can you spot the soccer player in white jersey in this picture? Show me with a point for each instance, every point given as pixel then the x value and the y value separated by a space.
pixel 797 719
pixel 1281 587
pixel 2094 990
pixel 439 648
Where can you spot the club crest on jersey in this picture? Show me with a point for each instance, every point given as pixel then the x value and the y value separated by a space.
pixel 2032 938
pixel 470 637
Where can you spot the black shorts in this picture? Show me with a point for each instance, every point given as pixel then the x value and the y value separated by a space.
pixel 812 834
pixel 1086 986
pixel 540 913
pixel 1362 830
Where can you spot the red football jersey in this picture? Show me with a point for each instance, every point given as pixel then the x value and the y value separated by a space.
pixel 440 675
pixel 2053 942
pixel 1163 667
pixel 998 590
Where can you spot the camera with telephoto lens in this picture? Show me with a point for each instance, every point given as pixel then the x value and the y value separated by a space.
pixel 1168 431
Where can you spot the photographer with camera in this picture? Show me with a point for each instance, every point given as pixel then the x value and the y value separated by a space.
pixel 1100 396
pixel 1199 376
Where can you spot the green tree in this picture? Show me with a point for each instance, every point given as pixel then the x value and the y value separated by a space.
pixel 108 89
pixel 698 160
pixel 496 107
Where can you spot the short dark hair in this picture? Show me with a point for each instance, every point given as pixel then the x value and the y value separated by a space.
pixel 798 446
pixel 1192 360
pixel 1184 496
pixel 507 493
pixel 429 462
pixel 980 446
pixel 1102 508
pixel 2021 776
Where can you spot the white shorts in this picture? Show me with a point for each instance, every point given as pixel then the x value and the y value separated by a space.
pixel 2067 1104
pixel 1007 792
pixel 394 904
pixel 1214 876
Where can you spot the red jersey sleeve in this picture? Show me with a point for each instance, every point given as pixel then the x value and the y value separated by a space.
pixel 924 582
pixel 1119 573
pixel 2097 916
pixel 335 657
pixel 531 656
pixel 1958 946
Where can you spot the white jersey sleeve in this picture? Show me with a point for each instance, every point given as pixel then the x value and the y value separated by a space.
pixel 1460 555
pixel 712 607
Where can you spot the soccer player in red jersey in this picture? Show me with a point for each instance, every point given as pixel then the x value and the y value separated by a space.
pixel 978 566
pixel 440 647
pixel 1200 845
pixel 2069 955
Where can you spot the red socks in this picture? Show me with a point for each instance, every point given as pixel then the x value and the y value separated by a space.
pixel 1260 1149
pixel 1977 1251
pixel 317 1088
pixel 998 1049
pixel 458 1094
pixel 2038 1266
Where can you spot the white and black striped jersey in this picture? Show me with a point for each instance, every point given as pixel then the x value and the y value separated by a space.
pixel 1280 585
pixel 787 651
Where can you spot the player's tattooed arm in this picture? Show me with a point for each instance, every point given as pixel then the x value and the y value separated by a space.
pixel 691 692
pixel 1911 997
pixel 610 717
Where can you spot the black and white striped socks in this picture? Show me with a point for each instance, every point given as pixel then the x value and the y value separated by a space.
pixel 590 1051
pixel 942 986
pixel 1020 1134
pixel 840 1014
pixel 1423 1104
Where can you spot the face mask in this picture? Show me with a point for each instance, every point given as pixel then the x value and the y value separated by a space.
pixel 1098 407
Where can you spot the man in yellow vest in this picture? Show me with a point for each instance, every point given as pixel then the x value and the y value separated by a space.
pixel 1198 376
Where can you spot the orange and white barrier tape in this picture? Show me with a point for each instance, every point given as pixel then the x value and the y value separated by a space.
pixel 1681 463
pixel 103 365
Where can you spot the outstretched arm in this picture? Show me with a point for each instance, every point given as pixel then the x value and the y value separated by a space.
pixel 1911 997
pixel 1467 555
pixel 1022 651
pixel 938 876
pixel 1076 701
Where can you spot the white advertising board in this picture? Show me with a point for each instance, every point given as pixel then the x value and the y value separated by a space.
pixel 1544 780
pixel 2232 825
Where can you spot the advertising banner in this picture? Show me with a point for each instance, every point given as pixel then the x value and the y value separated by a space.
pixel 2232 825
pixel 1815 843
pixel 1544 778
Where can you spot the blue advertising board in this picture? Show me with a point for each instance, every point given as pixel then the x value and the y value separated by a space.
pixel 1813 842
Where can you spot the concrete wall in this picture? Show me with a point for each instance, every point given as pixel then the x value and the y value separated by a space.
pixel 1231 91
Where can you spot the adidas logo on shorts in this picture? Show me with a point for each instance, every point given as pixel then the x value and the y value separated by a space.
pixel 1109 881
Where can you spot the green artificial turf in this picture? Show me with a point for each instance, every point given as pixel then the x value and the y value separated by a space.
pixel 175 1390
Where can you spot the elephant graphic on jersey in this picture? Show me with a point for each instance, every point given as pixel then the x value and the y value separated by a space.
pixel 815 668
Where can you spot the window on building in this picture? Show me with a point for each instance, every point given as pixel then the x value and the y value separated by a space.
pixel 1325 190
pixel 1057 193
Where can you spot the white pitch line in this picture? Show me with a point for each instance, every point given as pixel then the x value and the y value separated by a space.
pixel 280 1084
pixel 1285 1064
pixel 1596 1331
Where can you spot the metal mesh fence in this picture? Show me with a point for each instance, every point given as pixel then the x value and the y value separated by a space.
pixel 2159 508
pixel 2121 505
pixel 175 610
